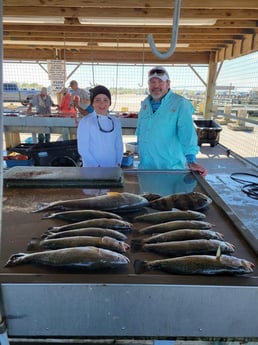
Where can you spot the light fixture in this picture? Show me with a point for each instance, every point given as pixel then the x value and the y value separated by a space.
pixel 146 21
pixel 134 45
pixel 34 20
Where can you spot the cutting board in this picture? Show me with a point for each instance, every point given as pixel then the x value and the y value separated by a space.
pixel 39 177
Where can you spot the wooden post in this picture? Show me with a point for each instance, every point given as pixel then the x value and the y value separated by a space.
pixel 210 90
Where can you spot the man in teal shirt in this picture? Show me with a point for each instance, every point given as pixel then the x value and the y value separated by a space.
pixel 166 135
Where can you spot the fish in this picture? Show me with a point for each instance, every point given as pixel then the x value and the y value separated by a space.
pixel 105 223
pixel 77 257
pixel 194 201
pixel 183 235
pixel 166 216
pixel 112 201
pixel 78 241
pixel 151 196
pixel 96 232
pixel 182 248
pixel 176 225
pixel 197 264
pixel 81 215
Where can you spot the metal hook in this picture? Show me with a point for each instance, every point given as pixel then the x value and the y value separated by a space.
pixel 174 34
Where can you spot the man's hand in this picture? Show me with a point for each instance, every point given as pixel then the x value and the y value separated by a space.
pixel 199 168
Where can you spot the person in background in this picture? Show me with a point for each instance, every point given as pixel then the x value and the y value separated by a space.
pixel 165 131
pixel 99 135
pixel 43 103
pixel 65 107
pixel 81 98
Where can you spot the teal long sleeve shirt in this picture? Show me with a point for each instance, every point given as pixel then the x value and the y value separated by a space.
pixel 167 136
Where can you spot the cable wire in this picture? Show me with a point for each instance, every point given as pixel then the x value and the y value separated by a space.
pixel 250 187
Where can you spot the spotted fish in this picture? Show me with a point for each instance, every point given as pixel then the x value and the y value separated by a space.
pixel 194 201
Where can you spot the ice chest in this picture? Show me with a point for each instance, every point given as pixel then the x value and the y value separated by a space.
pixel 18 162
pixel 208 131
pixel 58 153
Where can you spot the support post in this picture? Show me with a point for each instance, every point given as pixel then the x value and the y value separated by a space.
pixel 210 90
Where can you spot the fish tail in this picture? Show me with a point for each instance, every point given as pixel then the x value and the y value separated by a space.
pixel 45 235
pixel 33 244
pixel 15 259
pixel 53 228
pixel 139 266
pixel 136 245
pixel 47 215
pixel 41 207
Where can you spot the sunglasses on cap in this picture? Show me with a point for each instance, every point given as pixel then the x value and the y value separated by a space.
pixel 157 71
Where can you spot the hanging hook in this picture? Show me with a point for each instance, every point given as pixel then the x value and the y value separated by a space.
pixel 174 34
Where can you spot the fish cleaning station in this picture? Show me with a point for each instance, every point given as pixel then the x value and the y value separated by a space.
pixel 124 255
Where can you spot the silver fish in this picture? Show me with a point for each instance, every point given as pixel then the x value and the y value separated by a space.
pixel 78 241
pixel 112 201
pixel 81 215
pixel 184 235
pixel 77 257
pixel 105 223
pixel 182 248
pixel 96 232
pixel 194 201
pixel 167 216
pixel 197 264
pixel 176 225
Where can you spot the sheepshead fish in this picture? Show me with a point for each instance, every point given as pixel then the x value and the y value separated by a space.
pixel 194 201
pixel 96 232
pixel 112 201
pixel 77 257
pixel 79 241
pixel 197 264
pixel 182 248
pixel 105 223
pixel 184 235
pixel 176 225
pixel 81 215
pixel 167 216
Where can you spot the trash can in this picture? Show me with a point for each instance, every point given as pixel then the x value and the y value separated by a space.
pixel 208 131
pixel 58 153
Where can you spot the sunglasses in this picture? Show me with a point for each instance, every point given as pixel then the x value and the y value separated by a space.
pixel 157 71
pixel 104 130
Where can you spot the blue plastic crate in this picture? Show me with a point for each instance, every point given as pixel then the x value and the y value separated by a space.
pixel 127 160
pixel 19 162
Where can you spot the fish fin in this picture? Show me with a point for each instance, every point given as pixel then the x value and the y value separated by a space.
pixel 41 207
pixel 15 259
pixel 113 193
pixel 33 244
pixel 218 254
pixel 136 245
pixel 139 266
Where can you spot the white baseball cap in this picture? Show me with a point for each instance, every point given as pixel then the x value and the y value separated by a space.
pixel 158 72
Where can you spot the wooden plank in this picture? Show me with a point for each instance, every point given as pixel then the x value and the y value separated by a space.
pixel 120 13
pixel 230 4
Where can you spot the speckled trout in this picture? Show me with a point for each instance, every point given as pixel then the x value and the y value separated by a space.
pixel 182 248
pixel 81 215
pixel 78 257
pixel 175 225
pixel 197 264
pixel 78 241
pixel 105 223
pixel 112 201
pixel 167 216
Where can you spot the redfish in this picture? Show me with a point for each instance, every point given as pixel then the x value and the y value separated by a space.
pixel 194 201
pixel 112 201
